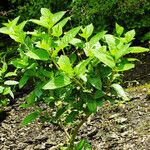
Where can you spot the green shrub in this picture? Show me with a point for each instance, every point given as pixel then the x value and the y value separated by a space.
pixel 129 13
pixel 74 72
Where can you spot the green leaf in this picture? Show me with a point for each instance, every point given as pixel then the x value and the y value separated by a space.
pixel 125 66
pixel 92 106
pixel 138 49
pixel 106 58
pixel 7 90
pixel 98 94
pixel 129 36
pixel 80 145
pixel 119 29
pixel 48 19
pixel 31 99
pixel 11 82
pixel 4 67
pixel 10 74
pixel 110 40
pixel 65 65
pixel 18 63
pixel 1 89
pixel 30 118
pixel 66 39
pixel 87 31
pixel 71 116
pixel 57 29
pixel 80 69
pixel 96 38
pixel 46 12
pixel 45 43
pixel 23 80
pixel 121 51
pixel 96 82
pixel 69 36
pixel 77 42
pixel 57 16
pixel 120 91
pixel 38 54
pixel 5 30
pixel 12 23
pixel 57 82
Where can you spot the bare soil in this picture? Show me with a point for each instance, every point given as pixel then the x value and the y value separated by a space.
pixel 121 127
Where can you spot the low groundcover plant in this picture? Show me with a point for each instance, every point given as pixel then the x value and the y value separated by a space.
pixel 73 72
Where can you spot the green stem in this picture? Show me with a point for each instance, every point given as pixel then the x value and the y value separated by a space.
pixel 78 82
pixel 63 52
pixel 74 134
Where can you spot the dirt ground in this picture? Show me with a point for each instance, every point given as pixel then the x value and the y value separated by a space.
pixel 124 127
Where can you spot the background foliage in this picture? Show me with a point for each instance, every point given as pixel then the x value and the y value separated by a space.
pixel 129 13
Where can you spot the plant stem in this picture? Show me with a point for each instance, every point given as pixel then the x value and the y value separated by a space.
pixel 66 132
pixel 78 82
pixel 74 133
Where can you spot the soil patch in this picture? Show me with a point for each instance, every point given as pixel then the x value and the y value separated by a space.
pixel 123 127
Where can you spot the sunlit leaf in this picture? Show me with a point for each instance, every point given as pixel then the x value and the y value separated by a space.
pixel 57 82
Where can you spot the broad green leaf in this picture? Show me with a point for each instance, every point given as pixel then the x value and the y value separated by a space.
pixel 138 49
pixel 57 29
pixel 69 36
pixel 23 80
pixel 7 90
pixel 97 37
pixel 31 98
pixel 121 51
pixel 71 116
pixel 5 30
pixel 1 89
pixel 110 40
pixel 4 67
pixel 87 50
pixel 38 54
pixel 21 26
pixel 66 39
pixel 48 19
pixel 98 94
pixel 132 59
pixel 20 63
pixel 77 42
pixel 120 91
pixel 80 145
pixel 90 101
pixel 39 22
pixel 12 23
pixel 96 82
pixel 65 65
pixel 119 29
pixel 57 16
pixel 57 82
pixel 92 106
pixel 73 58
pixel 106 58
pixel 46 12
pixel 129 36
pixel 125 66
pixel 80 69
pixel 11 82
pixel 30 118
pixel 10 74
pixel 87 31
pixel 45 43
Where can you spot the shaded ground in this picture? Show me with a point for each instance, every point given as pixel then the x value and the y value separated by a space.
pixel 124 127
